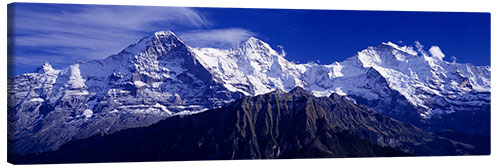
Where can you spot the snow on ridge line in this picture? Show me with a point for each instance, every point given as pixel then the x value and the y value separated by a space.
pixel 159 34
pixel 145 78
pixel 261 69
pixel 406 81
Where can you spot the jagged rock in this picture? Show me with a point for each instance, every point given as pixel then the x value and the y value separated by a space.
pixel 273 125
pixel 161 76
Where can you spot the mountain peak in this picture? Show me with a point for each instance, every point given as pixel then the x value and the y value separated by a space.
pixel 253 42
pixel 338 97
pixel 163 34
pixel 45 68
pixel 386 54
pixel 335 96
pixel 253 39
pixel 299 91
pixel 157 38
pixel 389 43
pixel 256 44
pixel 404 48
pixel 47 65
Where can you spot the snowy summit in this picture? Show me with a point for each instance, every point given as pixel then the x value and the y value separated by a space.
pixel 161 76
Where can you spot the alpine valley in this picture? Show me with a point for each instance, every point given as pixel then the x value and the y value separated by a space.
pixel 161 99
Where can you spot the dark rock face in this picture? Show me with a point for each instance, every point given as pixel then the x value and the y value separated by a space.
pixel 160 77
pixel 475 122
pixel 273 125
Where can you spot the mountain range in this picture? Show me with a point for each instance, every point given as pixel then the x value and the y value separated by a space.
pixel 274 125
pixel 393 97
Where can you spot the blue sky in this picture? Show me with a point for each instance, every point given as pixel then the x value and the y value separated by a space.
pixel 64 34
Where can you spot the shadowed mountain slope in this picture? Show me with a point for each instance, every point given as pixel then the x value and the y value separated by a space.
pixel 273 125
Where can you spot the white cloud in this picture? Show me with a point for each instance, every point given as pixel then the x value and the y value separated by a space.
pixel 92 31
pixel 216 38
pixel 64 34
pixel 436 52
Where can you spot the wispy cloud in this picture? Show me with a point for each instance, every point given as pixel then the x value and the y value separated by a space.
pixel 63 34
pixel 217 38
pixel 89 31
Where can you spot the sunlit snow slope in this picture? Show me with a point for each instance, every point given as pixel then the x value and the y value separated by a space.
pixel 161 76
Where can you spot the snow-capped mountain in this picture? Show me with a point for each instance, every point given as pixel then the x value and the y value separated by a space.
pixel 411 85
pixel 407 83
pixel 161 76
pixel 153 79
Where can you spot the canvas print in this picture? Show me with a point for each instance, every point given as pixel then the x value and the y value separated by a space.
pixel 107 83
